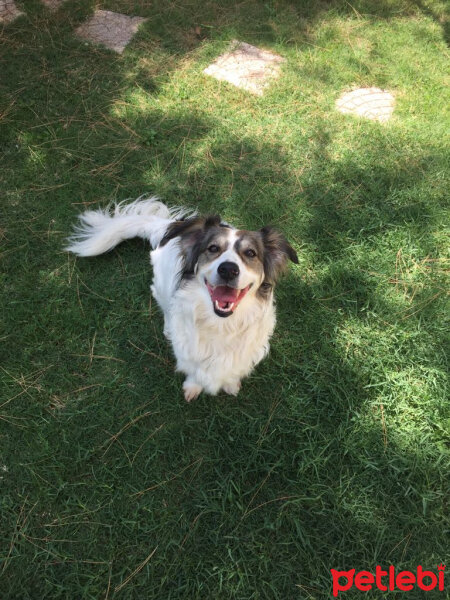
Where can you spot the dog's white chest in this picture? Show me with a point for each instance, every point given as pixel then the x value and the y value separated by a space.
pixel 220 351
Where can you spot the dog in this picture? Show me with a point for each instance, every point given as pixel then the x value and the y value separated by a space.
pixel 214 284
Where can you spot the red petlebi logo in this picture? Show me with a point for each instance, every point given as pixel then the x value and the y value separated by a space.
pixel 388 580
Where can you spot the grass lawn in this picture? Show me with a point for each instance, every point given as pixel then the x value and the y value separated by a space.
pixel 335 454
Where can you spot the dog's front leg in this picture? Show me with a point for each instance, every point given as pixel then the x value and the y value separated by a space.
pixel 232 387
pixel 191 389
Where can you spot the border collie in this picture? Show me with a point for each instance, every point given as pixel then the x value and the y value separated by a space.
pixel 213 282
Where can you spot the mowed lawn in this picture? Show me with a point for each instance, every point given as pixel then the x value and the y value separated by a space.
pixel 335 454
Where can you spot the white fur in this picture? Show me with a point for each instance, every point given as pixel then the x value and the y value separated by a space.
pixel 214 353
pixel 101 230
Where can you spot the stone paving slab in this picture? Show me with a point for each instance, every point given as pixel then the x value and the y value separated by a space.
pixel 9 11
pixel 246 67
pixel 110 29
pixel 53 4
pixel 371 103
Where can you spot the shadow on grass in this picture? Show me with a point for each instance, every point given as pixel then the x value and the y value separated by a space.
pixel 181 28
pixel 439 13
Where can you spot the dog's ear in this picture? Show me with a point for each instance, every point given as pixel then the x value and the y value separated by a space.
pixel 277 251
pixel 192 232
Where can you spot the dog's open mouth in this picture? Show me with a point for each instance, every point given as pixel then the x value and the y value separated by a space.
pixel 225 299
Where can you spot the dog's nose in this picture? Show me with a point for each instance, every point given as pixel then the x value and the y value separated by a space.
pixel 228 270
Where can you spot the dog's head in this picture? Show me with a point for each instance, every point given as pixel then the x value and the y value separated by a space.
pixel 230 263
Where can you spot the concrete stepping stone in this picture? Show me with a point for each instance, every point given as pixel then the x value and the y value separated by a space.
pixel 110 29
pixel 9 11
pixel 53 4
pixel 246 67
pixel 371 103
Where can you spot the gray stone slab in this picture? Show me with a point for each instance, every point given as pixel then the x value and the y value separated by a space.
pixel 370 103
pixel 110 29
pixel 53 4
pixel 9 11
pixel 246 67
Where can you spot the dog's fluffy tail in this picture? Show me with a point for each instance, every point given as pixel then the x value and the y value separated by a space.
pixel 102 229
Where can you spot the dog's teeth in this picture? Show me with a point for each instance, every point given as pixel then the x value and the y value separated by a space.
pixel 219 308
pixel 231 306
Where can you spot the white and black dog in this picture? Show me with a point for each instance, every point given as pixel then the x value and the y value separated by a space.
pixel 214 284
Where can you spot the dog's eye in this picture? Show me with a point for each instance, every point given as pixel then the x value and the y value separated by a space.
pixel 213 248
pixel 250 253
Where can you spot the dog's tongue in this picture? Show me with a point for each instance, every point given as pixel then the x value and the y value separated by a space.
pixel 223 293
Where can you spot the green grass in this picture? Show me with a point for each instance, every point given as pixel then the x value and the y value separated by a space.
pixel 335 454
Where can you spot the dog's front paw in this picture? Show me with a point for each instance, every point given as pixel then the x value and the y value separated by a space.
pixel 191 390
pixel 232 388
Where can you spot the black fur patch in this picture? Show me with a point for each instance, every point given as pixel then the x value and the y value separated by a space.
pixel 191 227
pixel 192 233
